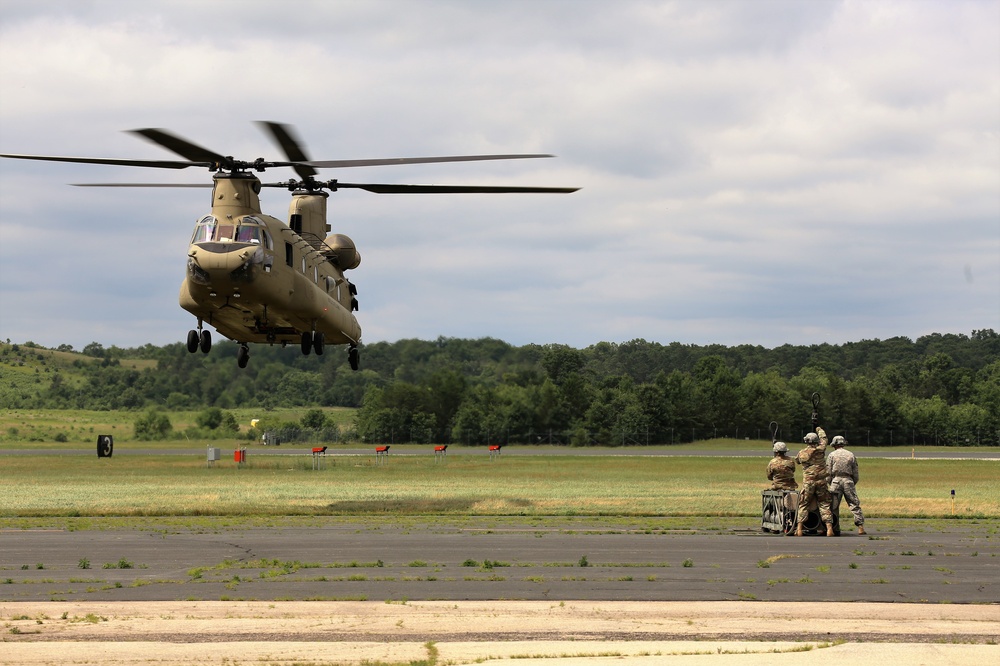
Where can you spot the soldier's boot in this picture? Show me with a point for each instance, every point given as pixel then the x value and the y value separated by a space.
pixel 798 530
pixel 861 529
pixel 829 529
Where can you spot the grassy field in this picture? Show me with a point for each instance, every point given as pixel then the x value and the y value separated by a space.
pixel 541 485
pixel 353 485
pixel 40 428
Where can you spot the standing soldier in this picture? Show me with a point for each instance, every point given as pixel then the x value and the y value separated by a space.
pixel 781 469
pixel 842 467
pixel 814 480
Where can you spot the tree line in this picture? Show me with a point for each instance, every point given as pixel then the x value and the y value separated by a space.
pixel 937 389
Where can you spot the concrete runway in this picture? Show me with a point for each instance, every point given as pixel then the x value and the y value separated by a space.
pixel 507 592
pixel 933 561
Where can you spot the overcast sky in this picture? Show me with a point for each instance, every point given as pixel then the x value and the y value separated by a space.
pixel 760 172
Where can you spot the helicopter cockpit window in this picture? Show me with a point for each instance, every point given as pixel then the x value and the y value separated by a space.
pixel 204 230
pixel 252 230
pixel 225 232
pixel 248 233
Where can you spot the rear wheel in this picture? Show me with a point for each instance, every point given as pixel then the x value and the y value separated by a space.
pixel 243 356
pixel 205 342
pixel 318 342
pixel 352 358
pixel 192 341
pixel 306 342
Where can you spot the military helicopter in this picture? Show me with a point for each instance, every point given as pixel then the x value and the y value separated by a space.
pixel 257 279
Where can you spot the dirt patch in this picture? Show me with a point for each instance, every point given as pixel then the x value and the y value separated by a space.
pixel 522 632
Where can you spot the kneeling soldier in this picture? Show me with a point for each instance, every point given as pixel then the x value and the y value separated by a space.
pixel 781 469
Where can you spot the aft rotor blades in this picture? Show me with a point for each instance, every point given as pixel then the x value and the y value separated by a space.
pixel 388 188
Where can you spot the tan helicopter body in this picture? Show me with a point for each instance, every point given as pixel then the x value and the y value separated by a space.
pixel 257 279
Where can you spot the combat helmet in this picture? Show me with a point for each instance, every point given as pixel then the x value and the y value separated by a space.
pixel 780 447
pixel 811 438
pixel 839 441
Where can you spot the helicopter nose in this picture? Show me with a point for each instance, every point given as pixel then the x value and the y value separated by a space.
pixel 212 265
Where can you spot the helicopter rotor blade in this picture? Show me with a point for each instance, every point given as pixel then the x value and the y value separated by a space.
pixel 156 164
pixel 198 185
pixel 385 188
pixel 335 164
pixel 381 188
pixel 291 145
pixel 182 147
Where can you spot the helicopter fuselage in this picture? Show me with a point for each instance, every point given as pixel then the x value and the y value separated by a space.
pixel 256 279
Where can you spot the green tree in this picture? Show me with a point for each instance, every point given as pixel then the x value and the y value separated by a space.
pixel 153 425
pixel 315 419
pixel 210 418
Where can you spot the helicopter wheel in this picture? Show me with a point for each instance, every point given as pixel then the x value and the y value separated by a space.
pixel 306 342
pixel 205 342
pixel 318 341
pixel 243 356
pixel 192 341
pixel 352 358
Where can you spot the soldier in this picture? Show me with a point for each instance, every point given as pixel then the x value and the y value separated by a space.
pixel 781 469
pixel 814 480
pixel 842 467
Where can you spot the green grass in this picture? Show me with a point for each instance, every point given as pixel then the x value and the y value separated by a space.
pixel 38 428
pixel 467 485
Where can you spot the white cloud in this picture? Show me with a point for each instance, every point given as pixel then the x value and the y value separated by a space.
pixel 748 168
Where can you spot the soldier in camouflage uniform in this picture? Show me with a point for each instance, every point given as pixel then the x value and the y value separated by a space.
pixel 814 480
pixel 781 469
pixel 842 467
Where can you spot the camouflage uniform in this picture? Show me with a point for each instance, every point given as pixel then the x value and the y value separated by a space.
pixel 781 473
pixel 814 480
pixel 842 467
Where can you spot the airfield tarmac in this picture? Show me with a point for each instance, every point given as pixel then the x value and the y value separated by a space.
pixel 344 591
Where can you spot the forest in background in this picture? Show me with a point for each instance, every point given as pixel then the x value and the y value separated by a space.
pixel 938 389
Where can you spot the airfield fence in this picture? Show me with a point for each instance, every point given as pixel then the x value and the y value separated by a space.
pixel 856 437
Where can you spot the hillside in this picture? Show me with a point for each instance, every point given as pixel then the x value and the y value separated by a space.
pixel 936 389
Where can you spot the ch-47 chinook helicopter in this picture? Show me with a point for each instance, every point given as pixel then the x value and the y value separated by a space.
pixel 257 279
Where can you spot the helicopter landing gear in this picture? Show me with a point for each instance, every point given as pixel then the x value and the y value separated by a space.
pixel 243 356
pixel 199 339
pixel 352 357
pixel 313 342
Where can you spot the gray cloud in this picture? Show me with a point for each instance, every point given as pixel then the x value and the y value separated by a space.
pixel 763 172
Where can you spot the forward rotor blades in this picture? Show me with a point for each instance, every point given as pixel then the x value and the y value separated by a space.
pixel 291 145
pixel 335 164
pixel 182 147
pixel 287 141
pixel 156 164
pixel 285 137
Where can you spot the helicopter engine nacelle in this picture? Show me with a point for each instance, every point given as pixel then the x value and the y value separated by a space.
pixel 341 250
